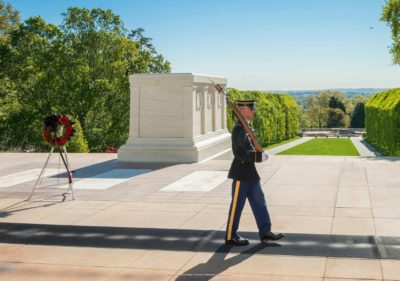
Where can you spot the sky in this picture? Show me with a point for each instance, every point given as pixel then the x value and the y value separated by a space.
pixel 258 44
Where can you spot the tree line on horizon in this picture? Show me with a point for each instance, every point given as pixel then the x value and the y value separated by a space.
pixel 331 109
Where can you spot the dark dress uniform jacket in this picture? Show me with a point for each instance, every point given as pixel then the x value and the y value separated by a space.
pixel 243 167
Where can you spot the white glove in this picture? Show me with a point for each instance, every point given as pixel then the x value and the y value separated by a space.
pixel 264 157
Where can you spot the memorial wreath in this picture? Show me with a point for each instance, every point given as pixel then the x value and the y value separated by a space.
pixel 58 130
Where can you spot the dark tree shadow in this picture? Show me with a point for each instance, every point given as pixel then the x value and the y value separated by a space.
pixel 218 264
pixel 197 240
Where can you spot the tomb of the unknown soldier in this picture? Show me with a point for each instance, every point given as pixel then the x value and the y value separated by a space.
pixel 175 118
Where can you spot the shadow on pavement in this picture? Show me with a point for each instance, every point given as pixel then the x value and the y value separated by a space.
pixel 295 244
pixel 34 204
pixel 106 166
pixel 218 263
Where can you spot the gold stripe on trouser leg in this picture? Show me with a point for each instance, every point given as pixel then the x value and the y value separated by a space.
pixel 235 196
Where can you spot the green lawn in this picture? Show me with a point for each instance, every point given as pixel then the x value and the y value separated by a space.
pixel 324 146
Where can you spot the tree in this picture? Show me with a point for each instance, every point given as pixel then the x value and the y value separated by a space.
pixel 337 118
pixel 352 102
pixel 96 59
pixel 79 68
pixel 30 68
pixel 334 102
pixel 78 142
pixel 316 112
pixel 102 58
pixel 358 117
pixel 148 60
pixel 9 22
pixel 391 15
pixel 317 109
pixel 304 119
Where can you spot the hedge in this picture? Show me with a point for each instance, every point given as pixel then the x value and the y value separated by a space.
pixel 276 118
pixel 78 142
pixel 382 121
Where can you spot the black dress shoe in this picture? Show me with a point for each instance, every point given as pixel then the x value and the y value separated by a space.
pixel 272 236
pixel 239 241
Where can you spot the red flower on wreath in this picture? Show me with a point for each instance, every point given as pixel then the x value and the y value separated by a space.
pixel 63 120
pixel 58 130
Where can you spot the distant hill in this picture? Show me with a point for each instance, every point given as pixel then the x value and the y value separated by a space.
pixel 347 91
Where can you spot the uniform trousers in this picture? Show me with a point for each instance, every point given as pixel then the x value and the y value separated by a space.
pixel 253 192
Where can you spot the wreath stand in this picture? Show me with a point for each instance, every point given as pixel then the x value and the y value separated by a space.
pixel 70 189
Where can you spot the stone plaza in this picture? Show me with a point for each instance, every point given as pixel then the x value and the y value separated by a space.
pixel 166 222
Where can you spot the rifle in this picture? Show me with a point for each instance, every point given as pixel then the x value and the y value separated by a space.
pixel 240 117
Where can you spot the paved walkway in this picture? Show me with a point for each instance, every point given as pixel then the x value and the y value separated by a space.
pixel 364 148
pixel 341 216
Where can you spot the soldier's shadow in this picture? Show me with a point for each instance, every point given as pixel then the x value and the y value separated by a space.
pixel 218 264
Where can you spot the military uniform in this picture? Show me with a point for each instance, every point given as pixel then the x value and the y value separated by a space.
pixel 246 185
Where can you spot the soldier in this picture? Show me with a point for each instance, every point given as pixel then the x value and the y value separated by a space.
pixel 246 183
